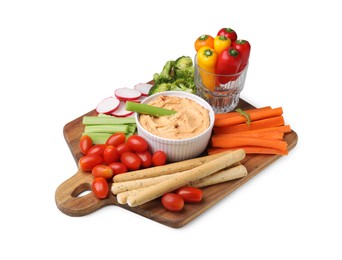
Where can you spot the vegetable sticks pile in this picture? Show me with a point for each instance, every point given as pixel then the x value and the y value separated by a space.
pixel 257 131
pixel 99 128
pixel 139 187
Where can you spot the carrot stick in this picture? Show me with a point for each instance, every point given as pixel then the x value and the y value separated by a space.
pixel 223 142
pixel 232 114
pixel 253 115
pixel 284 128
pixel 271 134
pixel 249 150
pixel 259 124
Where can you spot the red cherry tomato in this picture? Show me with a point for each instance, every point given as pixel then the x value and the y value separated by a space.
pixel 88 162
pixel 85 144
pixel 190 194
pixel 102 171
pixel 159 158
pixel 146 159
pixel 110 154
pixel 118 168
pixel 97 149
pixel 172 202
pixel 137 143
pixel 116 139
pixel 122 148
pixel 100 187
pixel 131 160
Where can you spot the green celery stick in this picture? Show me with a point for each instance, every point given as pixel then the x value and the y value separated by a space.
pixel 148 109
pixel 105 128
pixel 131 128
pixel 107 120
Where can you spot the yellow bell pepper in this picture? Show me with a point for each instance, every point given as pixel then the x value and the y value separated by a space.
pixel 206 60
pixel 221 42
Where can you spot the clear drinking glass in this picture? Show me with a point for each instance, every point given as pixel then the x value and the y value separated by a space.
pixel 224 96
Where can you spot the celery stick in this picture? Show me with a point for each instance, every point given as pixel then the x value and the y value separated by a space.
pixel 131 128
pixel 148 109
pixel 105 128
pixel 104 115
pixel 107 120
pixel 98 138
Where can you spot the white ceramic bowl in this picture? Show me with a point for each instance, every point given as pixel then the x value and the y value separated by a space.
pixel 178 149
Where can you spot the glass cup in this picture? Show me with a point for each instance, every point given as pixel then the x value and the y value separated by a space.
pixel 222 92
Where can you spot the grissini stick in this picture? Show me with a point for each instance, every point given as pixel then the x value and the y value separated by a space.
pixel 224 175
pixel 196 173
pixel 166 169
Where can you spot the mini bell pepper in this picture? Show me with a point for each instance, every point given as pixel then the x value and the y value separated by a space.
pixel 206 60
pixel 204 40
pixel 229 33
pixel 244 48
pixel 221 42
pixel 228 63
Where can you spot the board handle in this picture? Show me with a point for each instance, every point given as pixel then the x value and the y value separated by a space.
pixel 72 202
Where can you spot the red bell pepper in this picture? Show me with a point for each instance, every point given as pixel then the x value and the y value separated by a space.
pixel 229 33
pixel 228 63
pixel 244 48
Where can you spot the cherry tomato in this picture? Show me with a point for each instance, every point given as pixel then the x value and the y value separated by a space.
pixel 172 202
pixel 85 144
pixel 137 143
pixel 88 162
pixel 116 139
pixel 146 159
pixel 110 154
pixel 97 149
pixel 159 158
pixel 131 160
pixel 122 148
pixel 102 171
pixel 100 187
pixel 118 168
pixel 190 194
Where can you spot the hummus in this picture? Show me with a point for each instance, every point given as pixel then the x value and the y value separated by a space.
pixel 190 120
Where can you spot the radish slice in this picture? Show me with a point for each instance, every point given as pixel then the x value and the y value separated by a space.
pixel 127 94
pixel 144 88
pixel 121 111
pixel 108 105
pixel 139 100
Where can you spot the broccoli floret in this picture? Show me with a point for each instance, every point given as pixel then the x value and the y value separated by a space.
pixel 183 85
pixel 187 73
pixel 184 68
pixel 176 75
pixel 183 62
pixel 159 88
pixel 167 73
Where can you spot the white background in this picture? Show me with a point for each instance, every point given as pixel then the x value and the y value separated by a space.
pixel 59 58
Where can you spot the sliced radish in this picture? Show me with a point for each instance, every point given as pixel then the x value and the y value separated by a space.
pixel 144 88
pixel 121 111
pixel 139 100
pixel 108 105
pixel 127 94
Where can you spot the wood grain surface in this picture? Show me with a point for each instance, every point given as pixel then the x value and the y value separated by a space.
pixel 71 201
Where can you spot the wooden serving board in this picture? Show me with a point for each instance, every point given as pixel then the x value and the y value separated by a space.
pixel 70 201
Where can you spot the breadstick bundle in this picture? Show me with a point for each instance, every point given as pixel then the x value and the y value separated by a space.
pixel 138 187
